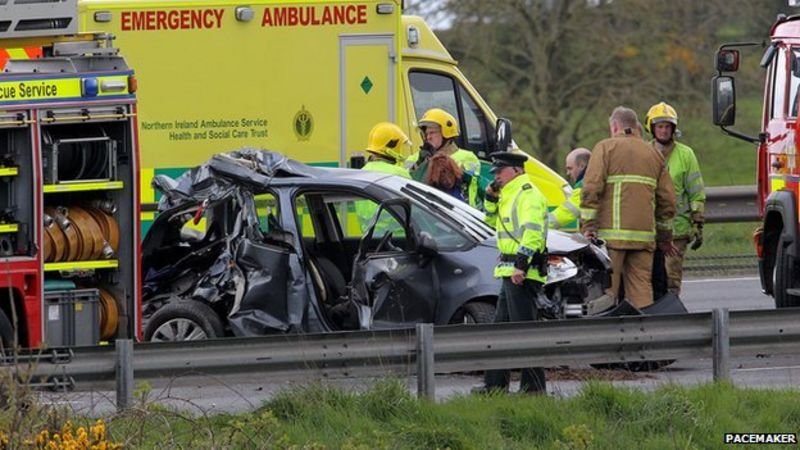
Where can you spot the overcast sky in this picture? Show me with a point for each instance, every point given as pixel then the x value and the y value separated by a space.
pixel 429 9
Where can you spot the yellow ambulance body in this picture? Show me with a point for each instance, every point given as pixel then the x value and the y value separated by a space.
pixel 305 78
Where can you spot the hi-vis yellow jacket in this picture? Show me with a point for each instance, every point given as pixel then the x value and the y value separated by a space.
pixel 366 209
pixel 690 195
pixel 519 216
pixel 627 195
pixel 566 216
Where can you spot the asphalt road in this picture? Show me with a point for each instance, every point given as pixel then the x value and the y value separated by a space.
pixel 705 294
pixel 208 395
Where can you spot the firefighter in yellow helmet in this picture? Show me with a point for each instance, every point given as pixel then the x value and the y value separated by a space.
pixel 662 122
pixel 387 148
pixel 439 132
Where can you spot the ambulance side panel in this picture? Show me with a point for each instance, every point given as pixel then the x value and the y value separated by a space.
pixel 305 79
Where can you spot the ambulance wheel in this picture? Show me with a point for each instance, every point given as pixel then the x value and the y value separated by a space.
pixel 474 312
pixel 183 320
pixel 6 332
pixel 784 277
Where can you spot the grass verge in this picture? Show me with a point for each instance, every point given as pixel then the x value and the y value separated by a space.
pixel 386 416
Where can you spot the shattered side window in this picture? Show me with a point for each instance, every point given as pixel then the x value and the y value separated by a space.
pixel 365 210
pixel 446 237
pixel 355 214
pixel 303 216
pixel 269 217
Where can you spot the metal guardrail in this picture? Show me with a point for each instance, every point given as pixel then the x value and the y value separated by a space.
pixel 732 204
pixel 425 351
pixel 725 264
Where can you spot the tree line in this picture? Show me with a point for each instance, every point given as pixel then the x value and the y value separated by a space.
pixel 558 67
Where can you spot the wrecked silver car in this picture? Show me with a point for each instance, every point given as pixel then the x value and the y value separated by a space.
pixel 252 243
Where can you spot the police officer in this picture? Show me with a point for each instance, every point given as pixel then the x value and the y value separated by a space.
pixel 518 211
pixel 565 216
pixel 440 131
pixel 662 122
pixel 387 148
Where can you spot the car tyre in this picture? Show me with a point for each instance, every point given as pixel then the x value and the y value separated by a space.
pixel 183 320
pixel 6 332
pixel 785 266
pixel 474 312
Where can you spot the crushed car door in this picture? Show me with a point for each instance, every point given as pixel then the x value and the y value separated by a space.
pixel 397 283
pixel 268 266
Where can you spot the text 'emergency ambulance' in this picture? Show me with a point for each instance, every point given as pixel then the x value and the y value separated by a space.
pixel 290 16
pixel 184 19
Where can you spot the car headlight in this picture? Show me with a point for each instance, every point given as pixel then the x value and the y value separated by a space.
pixel 560 268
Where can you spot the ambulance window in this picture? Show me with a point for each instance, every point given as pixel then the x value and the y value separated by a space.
pixel 779 84
pixel 432 90
pixel 794 82
pixel 474 124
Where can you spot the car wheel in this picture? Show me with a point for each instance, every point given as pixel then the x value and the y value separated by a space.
pixel 474 312
pixel 6 332
pixel 784 276
pixel 183 320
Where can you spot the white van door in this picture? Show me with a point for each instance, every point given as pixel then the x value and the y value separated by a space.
pixel 367 77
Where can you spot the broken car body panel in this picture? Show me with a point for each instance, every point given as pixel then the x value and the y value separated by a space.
pixel 288 278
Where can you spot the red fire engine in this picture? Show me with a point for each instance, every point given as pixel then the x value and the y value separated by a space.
pixel 69 176
pixel 777 240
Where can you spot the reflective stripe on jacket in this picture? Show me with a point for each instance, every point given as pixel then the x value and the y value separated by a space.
pixel 627 195
pixel 690 194
pixel 519 217
pixel 567 216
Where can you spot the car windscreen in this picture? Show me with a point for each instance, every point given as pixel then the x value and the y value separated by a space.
pixel 465 217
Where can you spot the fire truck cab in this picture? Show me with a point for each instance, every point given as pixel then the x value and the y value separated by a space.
pixel 777 241
pixel 69 174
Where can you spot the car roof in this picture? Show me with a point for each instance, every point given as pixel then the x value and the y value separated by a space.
pixel 333 175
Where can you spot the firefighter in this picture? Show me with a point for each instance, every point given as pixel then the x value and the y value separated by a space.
pixel 662 122
pixel 518 211
pixel 387 148
pixel 565 216
pixel 627 199
pixel 439 132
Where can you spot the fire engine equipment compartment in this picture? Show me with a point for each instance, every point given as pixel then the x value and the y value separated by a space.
pixel 68 190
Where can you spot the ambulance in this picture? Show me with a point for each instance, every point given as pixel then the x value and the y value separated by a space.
pixel 305 78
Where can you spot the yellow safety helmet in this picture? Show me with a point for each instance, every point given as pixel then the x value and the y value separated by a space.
pixel 660 112
pixel 442 118
pixel 388 139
